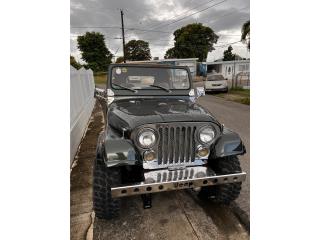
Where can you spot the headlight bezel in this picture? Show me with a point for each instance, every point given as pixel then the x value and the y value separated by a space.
pixel 202 129
pixel 143 130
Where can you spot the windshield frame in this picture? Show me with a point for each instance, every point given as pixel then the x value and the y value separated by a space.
pixel 149 92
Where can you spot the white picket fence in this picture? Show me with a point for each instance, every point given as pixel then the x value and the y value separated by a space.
pixel 81 104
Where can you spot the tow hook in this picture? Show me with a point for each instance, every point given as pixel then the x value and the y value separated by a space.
pixel 147 200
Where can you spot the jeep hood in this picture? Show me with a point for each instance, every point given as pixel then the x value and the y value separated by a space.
pixel 131 113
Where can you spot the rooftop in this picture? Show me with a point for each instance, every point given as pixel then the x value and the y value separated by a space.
pixel 168 60
pixel 227 62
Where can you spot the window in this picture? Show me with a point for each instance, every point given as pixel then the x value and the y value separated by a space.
pixel 149 78
pixel 216 77
pixel 243 67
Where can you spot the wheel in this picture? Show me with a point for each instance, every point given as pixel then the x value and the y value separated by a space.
pixel 104 205
pixel 224 193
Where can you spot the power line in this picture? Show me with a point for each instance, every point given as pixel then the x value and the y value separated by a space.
pixel 227 14
pixel 95 27
pixel 227 44
pixel 200 45
pixel 156 26
pixel 211 21
pixel 157 39
pixel 190 34
pixel 151 30
pixel 115 27
pixel 165 40
pixel 196 12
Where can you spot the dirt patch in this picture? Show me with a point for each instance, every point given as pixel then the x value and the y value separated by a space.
pixel 81 179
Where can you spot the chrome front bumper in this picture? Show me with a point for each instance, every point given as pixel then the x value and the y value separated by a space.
pixel 168 180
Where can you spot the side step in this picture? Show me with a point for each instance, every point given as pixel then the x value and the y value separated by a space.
pixel 166 180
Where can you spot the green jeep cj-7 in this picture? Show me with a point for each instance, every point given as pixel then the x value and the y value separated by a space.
pixel 157 138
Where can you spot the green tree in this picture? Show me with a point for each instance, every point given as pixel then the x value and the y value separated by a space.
pixel 245 33
pixel 94 51
pixel 74 63
pixel 228 55
pixel 170 53
pixel 119 60
pixel 192 41
pixel 137 50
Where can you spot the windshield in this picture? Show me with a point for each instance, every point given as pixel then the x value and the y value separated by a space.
pixel 215 78
pixel 149 78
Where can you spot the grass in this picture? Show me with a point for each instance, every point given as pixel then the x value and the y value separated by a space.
pixel 100 77
pixel 239 95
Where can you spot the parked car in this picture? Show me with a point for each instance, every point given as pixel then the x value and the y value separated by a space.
pixel 156 138
pixel 216 83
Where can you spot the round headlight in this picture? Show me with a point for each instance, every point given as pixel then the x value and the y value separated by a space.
pixel 206 135
pixel 147 138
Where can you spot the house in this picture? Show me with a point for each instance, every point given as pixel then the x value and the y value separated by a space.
pixel 237 72
pixel 229 69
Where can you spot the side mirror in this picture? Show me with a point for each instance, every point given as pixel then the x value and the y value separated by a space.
pixel 100 93
pixel 200 92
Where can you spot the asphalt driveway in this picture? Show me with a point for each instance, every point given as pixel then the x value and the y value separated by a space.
pixel 235 116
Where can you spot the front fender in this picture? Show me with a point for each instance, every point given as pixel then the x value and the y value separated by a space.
pixel 228 144
pixel 120 152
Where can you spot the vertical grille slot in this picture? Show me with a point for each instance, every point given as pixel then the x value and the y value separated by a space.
pixel 176 145
pixel 165 145
pixel 171 145
pixel 192 144
pixel 160 147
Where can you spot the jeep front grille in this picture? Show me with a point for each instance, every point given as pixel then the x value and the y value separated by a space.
pixel 176 144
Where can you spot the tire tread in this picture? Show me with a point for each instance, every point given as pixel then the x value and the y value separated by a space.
pixel 104 205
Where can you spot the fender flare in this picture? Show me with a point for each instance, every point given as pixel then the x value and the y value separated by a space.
pixel 228 144
pixel 120 152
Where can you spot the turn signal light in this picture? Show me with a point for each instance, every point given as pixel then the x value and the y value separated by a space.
pixel 149 155
pixel 202 151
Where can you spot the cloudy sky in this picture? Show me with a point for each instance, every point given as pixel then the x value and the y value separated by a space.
pixel 156 20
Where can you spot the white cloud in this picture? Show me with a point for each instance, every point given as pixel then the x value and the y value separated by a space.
pixel 226 20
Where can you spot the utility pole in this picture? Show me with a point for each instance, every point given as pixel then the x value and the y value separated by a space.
pixel 123 40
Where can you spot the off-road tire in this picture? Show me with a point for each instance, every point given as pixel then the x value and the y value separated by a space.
pixel 224 193
pixel 104 205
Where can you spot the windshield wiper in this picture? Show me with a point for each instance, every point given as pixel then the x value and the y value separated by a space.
pixel 123 87
pixel 163 88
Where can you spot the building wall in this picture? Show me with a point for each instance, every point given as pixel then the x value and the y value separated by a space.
pixel 229 68
pixel 192 64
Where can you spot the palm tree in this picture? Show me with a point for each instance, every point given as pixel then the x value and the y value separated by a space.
pixel 245 36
